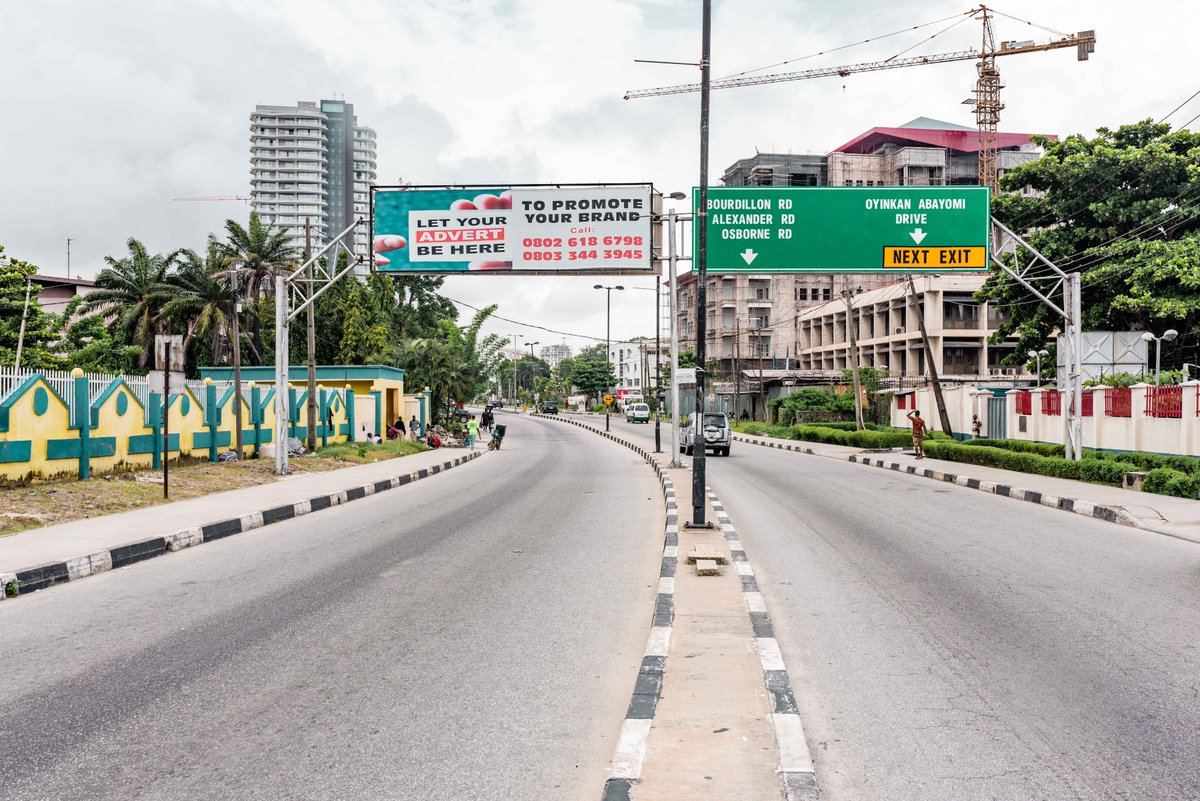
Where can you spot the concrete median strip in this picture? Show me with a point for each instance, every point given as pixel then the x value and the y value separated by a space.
pixel 30 579
pixel 796 776
pixel 1112 514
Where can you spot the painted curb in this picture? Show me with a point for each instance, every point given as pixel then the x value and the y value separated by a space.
pixel 32 579
pixel 795 770
pixel 1098 511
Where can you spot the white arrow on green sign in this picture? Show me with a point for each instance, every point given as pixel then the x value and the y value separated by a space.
pixel 903 229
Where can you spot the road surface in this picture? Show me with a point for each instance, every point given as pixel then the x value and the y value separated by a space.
pixel 471 636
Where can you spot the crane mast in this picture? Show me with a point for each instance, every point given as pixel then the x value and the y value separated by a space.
pixel 987 86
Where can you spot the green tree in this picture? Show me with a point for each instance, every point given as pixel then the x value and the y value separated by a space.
pixel 92 346
pixel 41 328
pixel 592 377
pixel 201 302
pixel 254 257
pixel 366 333
pixel 1123 209
pixel 131 293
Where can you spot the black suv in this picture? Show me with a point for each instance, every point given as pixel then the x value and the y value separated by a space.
pixel 549 408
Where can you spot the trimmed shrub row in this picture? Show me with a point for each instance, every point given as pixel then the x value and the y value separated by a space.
pixel 832 436
pixel 1165 481
pixel 1144 461
pixel 1098 471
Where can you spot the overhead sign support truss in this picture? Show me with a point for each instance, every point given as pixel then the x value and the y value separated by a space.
pixel 1071 311
pixel 308 282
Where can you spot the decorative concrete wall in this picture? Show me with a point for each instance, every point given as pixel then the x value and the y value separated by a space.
pixel 1138 418
pixel 42 438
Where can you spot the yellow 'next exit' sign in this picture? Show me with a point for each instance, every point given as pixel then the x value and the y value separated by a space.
pixel 947 258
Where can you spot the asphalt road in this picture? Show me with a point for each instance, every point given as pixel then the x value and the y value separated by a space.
pixel 472 636
pixel 947 644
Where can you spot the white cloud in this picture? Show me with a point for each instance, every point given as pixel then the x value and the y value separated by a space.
pixel 113 108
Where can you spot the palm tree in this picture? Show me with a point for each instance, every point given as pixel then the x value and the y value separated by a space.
pixel 200 299
pixel 131 292
pixel 254 257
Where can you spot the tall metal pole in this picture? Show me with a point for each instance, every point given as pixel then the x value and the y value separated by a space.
pixel 310 323
pixel 671 258
pixel 698 463
pixel 607 351
pixel 852 362
pixel 1076 282
pixel 166 410
pixel 658 363
pixel 281 379
pixel 237 362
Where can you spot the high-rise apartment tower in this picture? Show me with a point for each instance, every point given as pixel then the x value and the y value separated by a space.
pixel 312 161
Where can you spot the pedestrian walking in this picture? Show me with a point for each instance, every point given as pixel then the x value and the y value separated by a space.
pixel 414 427
pixel 976 426
pixel 918 432
pixel 472 432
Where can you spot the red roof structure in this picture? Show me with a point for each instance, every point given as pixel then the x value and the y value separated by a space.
pixel 925 132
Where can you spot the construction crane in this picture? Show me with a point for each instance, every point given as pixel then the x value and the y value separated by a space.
pixel 987 86
pixel 243 198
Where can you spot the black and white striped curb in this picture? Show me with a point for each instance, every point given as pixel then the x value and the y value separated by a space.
pixel 630 751
pixel 795 762
pixel 783 445
pixel 1113 514
pixel 32 579
pixel 1099 511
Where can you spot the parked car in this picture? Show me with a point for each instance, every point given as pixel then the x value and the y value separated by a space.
pixel 712 430
pixel 549 408
pixel 463 415
pixel 637 413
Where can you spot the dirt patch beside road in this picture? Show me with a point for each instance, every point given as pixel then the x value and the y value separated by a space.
pixel 46 504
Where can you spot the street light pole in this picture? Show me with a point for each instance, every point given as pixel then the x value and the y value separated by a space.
pixel 608 344
pixel 674 290
pixel 237 362
pixel 531 357
pixel 658 363
pixel 1037 355
pixel 1167 336
pixel 698 463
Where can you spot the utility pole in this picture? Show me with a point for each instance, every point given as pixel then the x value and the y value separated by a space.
pixel 737 367
pixel 658 363
pixel 852 359
pixel 237 361
pixel 69 257
pixel 311 324
pixel 671 259
pixel 937 384
pixel 24 315
pixel 699 484
pixel 166 412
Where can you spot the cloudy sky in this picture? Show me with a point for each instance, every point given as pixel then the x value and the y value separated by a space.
pixel 113 108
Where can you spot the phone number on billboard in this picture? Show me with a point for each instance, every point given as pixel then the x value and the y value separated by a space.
pixel 588 248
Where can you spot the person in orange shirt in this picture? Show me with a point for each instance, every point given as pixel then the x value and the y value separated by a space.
pixel 918 432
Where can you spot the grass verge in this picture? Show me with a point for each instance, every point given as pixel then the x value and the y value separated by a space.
pixel 50 503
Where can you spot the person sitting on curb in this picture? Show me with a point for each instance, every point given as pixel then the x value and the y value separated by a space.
pixel 918 432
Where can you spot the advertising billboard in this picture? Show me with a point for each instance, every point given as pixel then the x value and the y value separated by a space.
pixel 557 229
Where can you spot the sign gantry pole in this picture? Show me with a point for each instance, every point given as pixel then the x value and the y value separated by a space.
pixel 284 315
pixel 672 258
pixel 698 464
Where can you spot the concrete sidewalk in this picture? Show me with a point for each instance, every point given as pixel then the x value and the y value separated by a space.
pixel 41 557
pixel 1178 517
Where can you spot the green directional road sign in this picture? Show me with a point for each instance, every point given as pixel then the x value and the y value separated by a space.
pixel 902 229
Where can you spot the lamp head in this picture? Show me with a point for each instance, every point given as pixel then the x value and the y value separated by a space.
pixel 598 286
pixel 1043 353
pixel 677 196
pixel 1148 337
pixel 1170 334
pixel 1033 354
pixel 618 286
